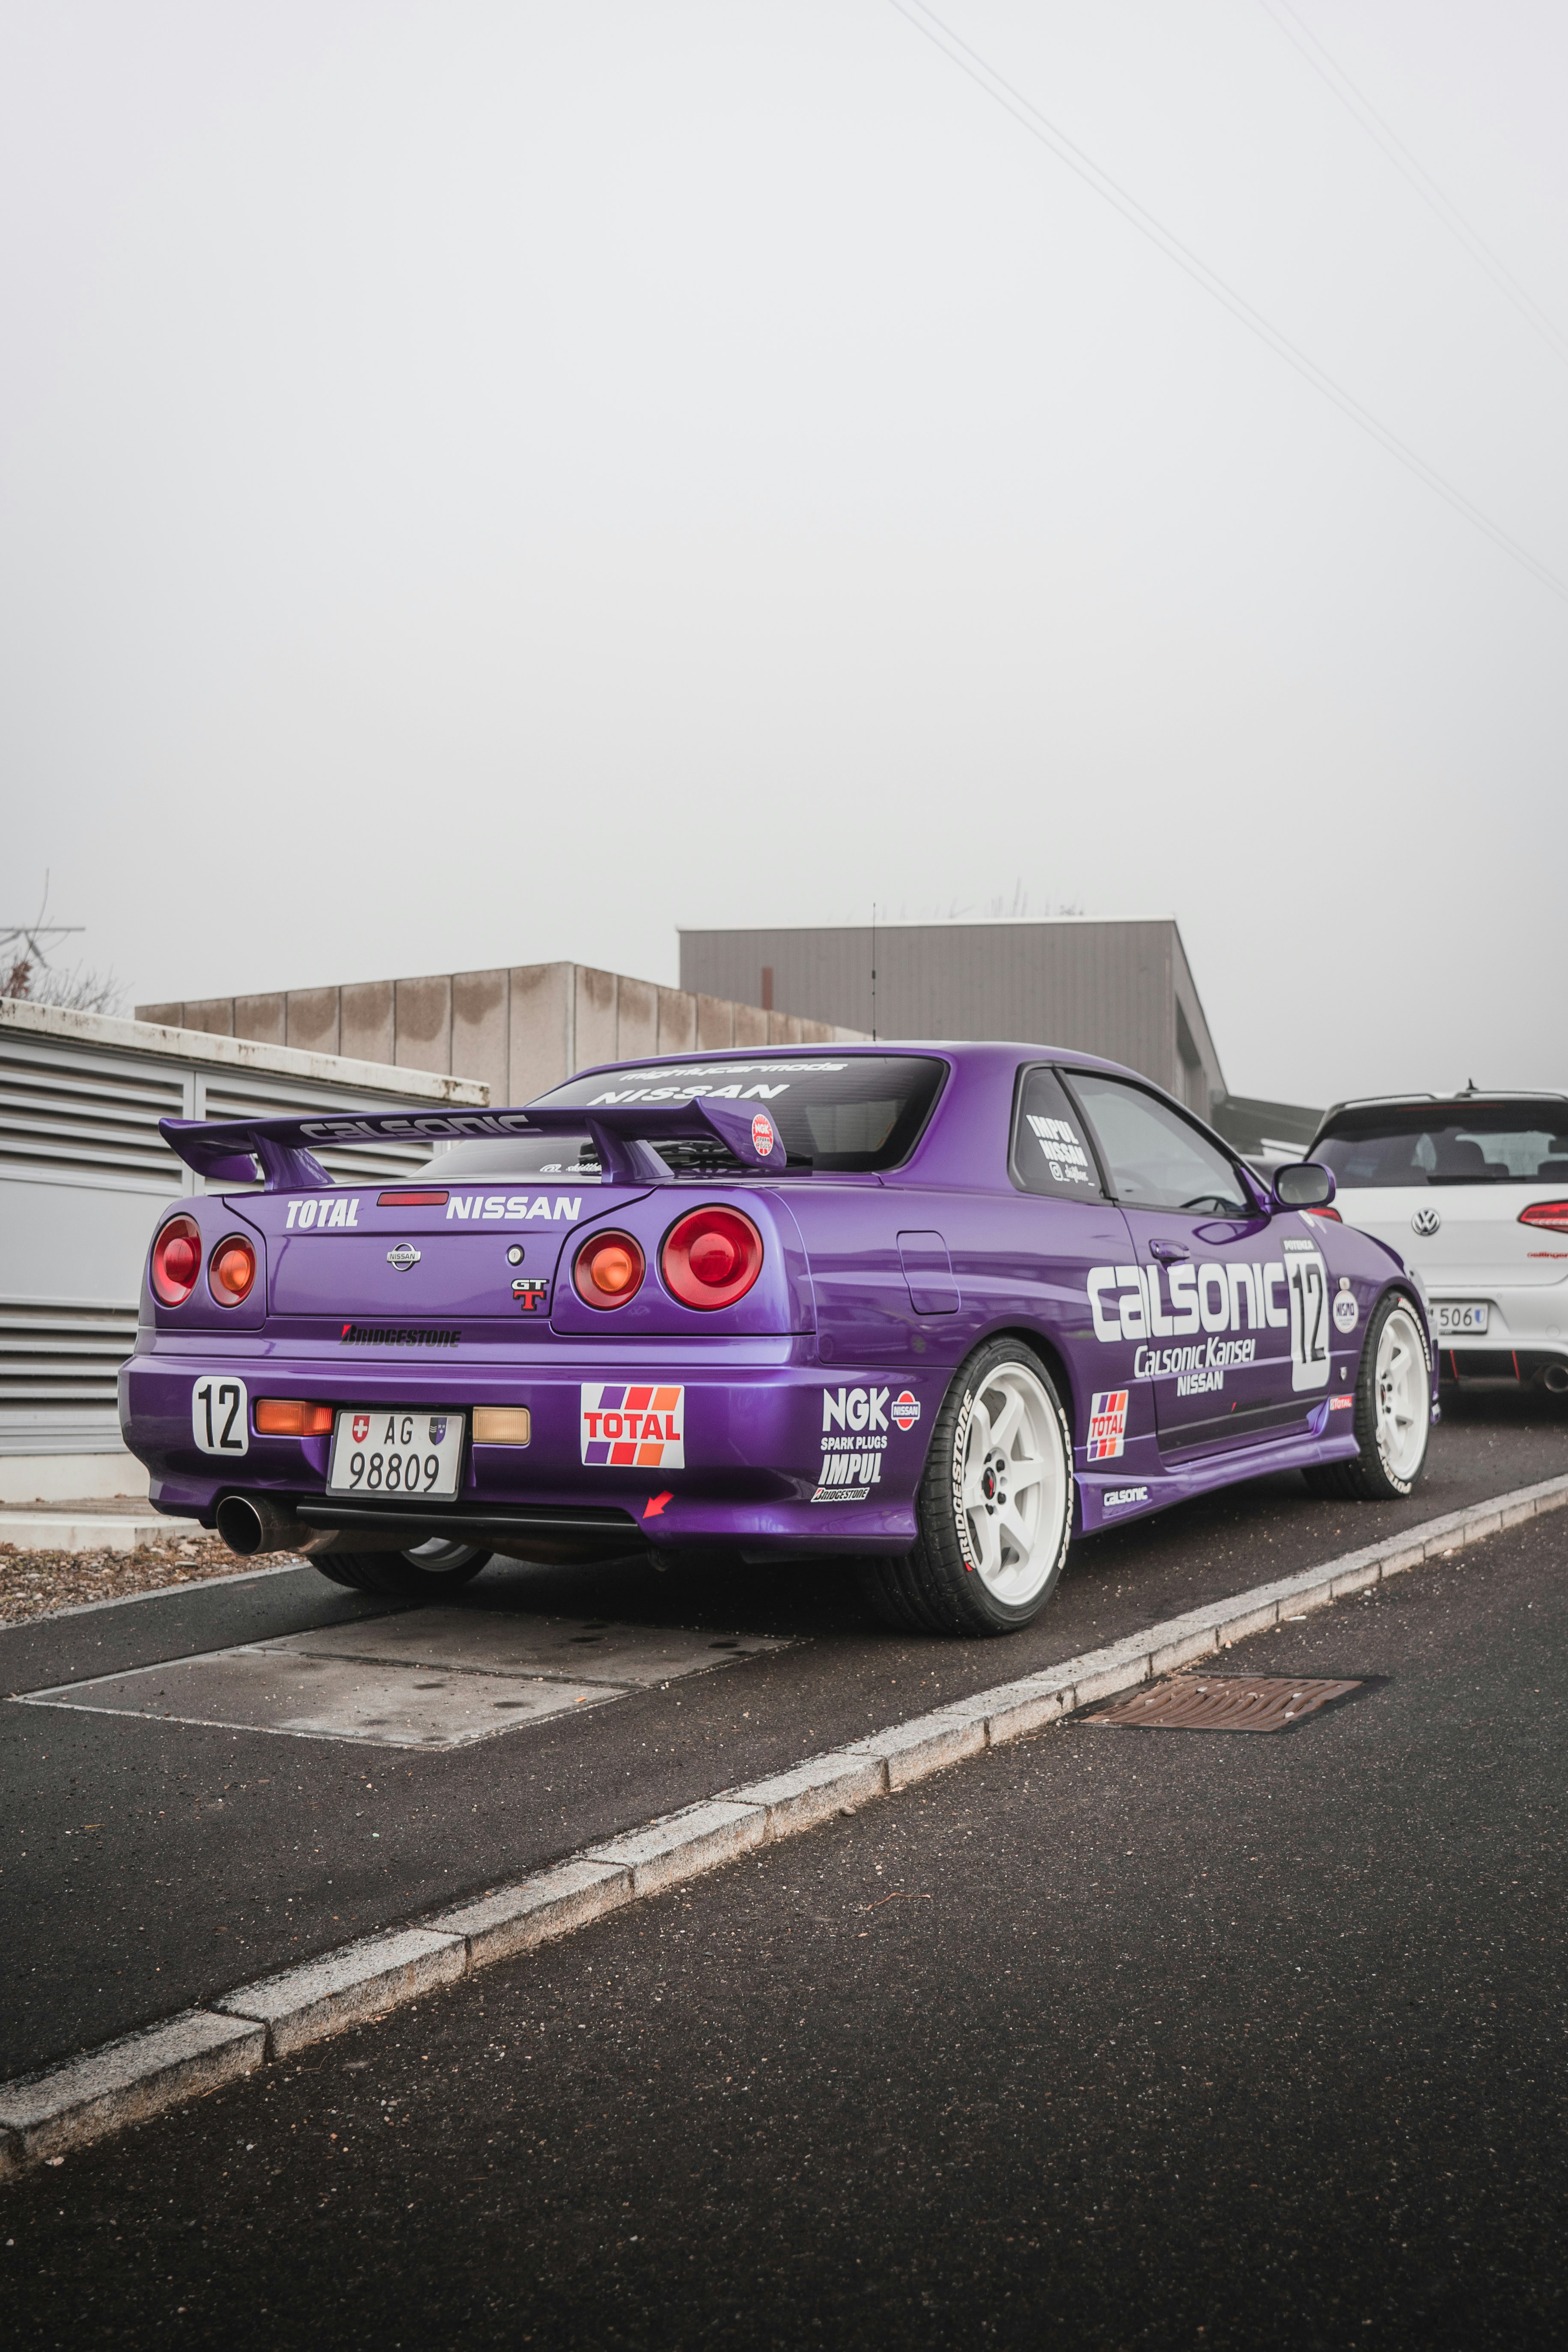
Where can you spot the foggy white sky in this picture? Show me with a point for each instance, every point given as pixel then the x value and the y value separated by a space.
pixel 490 482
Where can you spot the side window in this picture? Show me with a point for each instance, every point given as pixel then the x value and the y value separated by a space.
pixel 1050 1150
pixel 1155 1159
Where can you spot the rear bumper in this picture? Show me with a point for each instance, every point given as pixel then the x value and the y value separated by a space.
pixel 767 1454
pixel 1485 1360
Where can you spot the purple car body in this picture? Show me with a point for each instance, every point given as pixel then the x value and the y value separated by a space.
pixel 967 1195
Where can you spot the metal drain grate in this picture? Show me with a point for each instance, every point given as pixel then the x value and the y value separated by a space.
pixel 1223 1703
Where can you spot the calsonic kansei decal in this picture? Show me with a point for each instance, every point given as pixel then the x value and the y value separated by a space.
pixel 512 1208
pixel 635 1427
pixel 1107 1425
pixel 1116 1497
pixel 321 1210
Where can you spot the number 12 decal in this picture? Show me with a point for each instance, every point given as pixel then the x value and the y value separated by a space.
pixel 220 1416
pixel 1307 1279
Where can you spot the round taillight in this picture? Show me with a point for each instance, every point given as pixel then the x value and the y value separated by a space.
pixel 231 1270
pixel 712 1257
pixel 176 1261
pixel 608 1270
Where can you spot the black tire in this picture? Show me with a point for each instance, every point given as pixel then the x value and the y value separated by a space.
pixel 958 1577
pixel 428 1574
pixel 1382 1471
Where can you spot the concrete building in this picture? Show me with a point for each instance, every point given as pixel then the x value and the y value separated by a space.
pixel 516 1031
pixel 84 1177
pixel 1123 990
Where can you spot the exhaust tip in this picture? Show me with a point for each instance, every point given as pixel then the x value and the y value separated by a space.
pixel 1556 1378
pixel 239 1525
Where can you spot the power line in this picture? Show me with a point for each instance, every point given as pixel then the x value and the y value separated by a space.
pixel 1385 137
pixel 997 87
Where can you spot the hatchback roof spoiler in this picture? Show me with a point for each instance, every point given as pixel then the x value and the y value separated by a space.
pixel 230 1150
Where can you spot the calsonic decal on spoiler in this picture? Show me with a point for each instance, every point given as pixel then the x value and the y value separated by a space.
pixel 512 1208
pixel 638 1427
pixel 1210 1296
pixel 320 1208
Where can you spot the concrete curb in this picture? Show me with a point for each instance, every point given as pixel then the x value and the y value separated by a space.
pixel 62 2107
pixel 345 1987
pixel 45 2114
pixel 88 1530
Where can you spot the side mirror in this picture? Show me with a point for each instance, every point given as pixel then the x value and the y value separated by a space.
pixel 1303 1184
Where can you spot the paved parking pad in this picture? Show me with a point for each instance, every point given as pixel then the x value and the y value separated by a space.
pixel 439 1679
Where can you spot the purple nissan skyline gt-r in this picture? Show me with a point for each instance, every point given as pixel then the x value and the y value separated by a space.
pixel 932 1307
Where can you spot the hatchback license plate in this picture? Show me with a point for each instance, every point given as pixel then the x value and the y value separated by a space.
pixel 1462 1315
pixel 396 1450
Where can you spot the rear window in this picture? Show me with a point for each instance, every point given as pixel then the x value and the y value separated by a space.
pixel 862 1112
pixel 857 1112
pixel 1448 1143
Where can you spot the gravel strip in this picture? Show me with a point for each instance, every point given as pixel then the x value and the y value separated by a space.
pixel 36 1583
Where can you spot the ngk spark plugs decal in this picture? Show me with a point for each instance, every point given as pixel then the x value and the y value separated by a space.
pixel 855 1435
pixel 640 1428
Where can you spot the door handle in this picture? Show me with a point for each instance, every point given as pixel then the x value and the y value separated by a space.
pixel 1168 1251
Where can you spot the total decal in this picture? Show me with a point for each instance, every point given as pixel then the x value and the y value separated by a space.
pixel 321 1210
pixel 512 1208
pixel 1107 1425
pixel 854 1436
pixel 632 1428
pixel 1217 1297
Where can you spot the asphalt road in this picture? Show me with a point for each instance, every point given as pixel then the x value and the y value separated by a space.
pixel 148 1865
pixel 1109 2038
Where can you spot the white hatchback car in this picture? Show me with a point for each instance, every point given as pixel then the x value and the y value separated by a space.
pixel 1472 1191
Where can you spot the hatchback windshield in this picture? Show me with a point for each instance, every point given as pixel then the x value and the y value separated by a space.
pixel 1448 1143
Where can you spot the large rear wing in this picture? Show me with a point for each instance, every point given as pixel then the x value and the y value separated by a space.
pixel 235 1150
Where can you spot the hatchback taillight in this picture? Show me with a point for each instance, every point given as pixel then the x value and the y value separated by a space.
pixel 176 1261
pixel 231 1270
pixel 1551 1215
pixel 608 1270
pixel 712 1257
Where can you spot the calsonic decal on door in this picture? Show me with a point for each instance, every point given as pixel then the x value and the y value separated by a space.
pixel 512 1208
pixel 319 1209
pixel 1107 1425
pixel 1210 1298
pixel 638 1428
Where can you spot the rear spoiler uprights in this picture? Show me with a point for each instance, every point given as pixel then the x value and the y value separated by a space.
pixel 229 1149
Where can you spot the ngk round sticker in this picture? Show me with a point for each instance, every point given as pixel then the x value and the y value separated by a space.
pixel 761 1135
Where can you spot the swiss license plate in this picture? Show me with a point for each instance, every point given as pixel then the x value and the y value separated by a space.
pixel 1456 1315
pixel 396 1450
